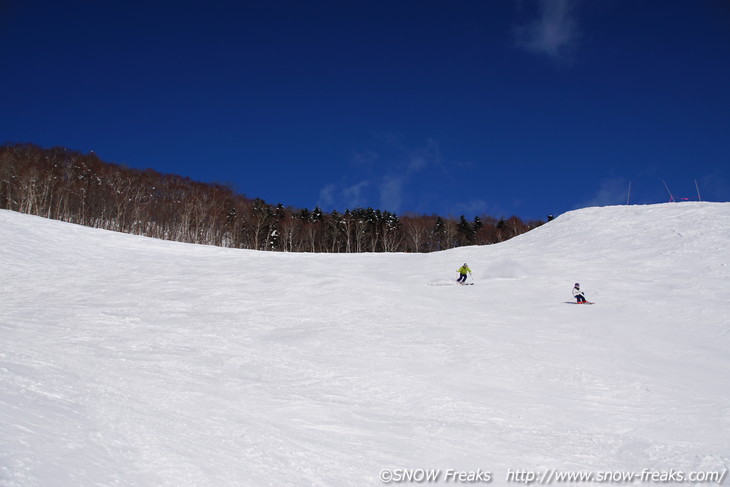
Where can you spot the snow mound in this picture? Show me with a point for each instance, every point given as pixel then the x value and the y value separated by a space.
pixel 131 361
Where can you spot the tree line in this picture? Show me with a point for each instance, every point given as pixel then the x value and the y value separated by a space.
pixel 70 186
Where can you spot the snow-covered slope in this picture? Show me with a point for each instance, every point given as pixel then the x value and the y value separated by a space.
pixel 131 361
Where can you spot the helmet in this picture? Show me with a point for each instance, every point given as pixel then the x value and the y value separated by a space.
pixel 577 285
pixel 465 265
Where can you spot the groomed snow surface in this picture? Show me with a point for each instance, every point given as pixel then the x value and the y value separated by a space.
pixel 127 361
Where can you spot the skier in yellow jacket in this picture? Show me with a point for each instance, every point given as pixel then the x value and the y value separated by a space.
pixel 462 273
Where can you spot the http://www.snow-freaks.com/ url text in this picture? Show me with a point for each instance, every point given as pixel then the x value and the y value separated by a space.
pixel 550 476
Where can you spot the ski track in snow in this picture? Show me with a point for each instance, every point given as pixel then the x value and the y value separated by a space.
pixel 131 361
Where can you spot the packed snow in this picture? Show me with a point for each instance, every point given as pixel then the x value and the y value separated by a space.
pixel 128 361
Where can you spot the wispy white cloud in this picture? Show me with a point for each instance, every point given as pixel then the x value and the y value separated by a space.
pixel 553 33
pixel 327 196
pixel 420 158
pixel 334 195
pixel 610 192
pixel 386 173
pixel 354 196
pixel 365 158
pixel 391 193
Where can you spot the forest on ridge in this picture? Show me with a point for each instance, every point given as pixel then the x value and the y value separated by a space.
pixel 62 184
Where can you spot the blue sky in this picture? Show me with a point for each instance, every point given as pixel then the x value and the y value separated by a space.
pixel 503 107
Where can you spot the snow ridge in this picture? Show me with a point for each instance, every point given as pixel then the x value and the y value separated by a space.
pixel 131 361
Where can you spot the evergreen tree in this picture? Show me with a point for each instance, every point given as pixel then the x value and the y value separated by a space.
pixel 465 231
pixel 477 225
pixel 439 234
